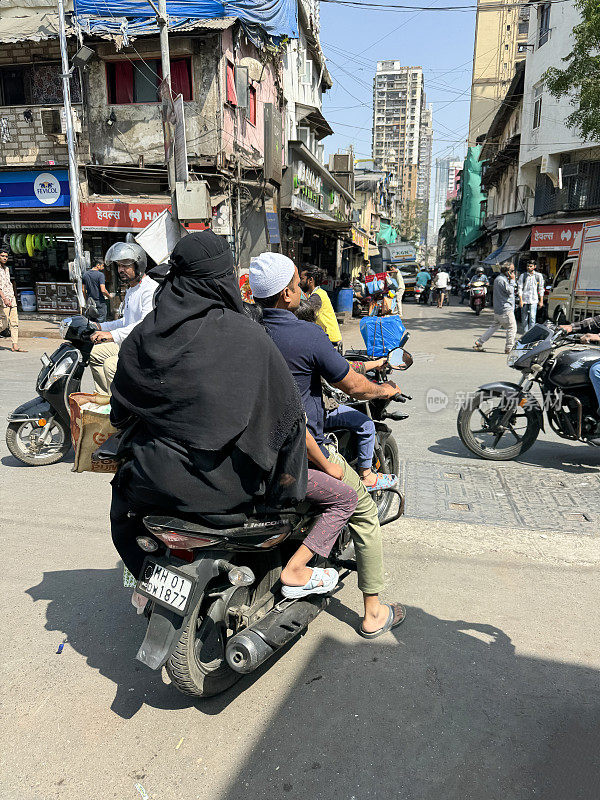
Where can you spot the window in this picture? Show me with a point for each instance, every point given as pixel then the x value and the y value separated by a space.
pixel 138 81
pixel 252 105
pixel 523 28
pixel 537 106
pixel 35 84
pixel 544 28
pixel 231 96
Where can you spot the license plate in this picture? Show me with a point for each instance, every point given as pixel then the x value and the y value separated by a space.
pixel 168 587
pixel 45 360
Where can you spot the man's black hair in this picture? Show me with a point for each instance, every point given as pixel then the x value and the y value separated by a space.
pixel 306 311
pixel 253 311
pixel 4 249
pixel 314 272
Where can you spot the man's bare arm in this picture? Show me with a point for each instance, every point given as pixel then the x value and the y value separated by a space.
pixel 361 388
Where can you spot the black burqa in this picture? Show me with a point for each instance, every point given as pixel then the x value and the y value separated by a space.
pixel 221 424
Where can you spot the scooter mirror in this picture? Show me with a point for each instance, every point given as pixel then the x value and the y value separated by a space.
pixel 398 358
pixel 91 310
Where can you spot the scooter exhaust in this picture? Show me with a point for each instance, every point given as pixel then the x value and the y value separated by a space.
pixel 250 648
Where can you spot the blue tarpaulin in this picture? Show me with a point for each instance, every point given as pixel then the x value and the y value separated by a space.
pixel 276 17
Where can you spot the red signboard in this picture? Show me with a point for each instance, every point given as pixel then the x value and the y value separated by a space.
pixel 124 217
pixel 554 237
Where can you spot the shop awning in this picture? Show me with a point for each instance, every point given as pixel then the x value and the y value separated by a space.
pixel 515 242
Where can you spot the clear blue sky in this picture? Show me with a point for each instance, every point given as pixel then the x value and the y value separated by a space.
pixel 441 42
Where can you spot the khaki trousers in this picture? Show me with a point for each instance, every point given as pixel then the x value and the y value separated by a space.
pixel 10 317
pixel 103 364
pixel 365 531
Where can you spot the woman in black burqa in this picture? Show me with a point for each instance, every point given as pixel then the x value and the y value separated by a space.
pixel 219 424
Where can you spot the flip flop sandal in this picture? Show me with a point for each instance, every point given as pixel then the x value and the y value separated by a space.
pixel 396 616
pixel 328 579
pixel 384 481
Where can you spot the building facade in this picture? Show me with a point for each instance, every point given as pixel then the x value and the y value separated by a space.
pixel 446 172
pixel 424 172
pixel 402 135
pixel 501 36
pixel 559 175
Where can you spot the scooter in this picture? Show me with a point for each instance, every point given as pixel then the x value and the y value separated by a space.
pixel 38 431
pixel 477 296
pixel 211 592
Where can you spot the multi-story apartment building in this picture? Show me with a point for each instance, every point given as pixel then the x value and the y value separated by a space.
pixel 501 31
pixel 424 170
pixel 401 125
pixel 446 171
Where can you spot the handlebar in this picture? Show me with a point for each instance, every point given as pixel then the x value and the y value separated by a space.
pixel 401 397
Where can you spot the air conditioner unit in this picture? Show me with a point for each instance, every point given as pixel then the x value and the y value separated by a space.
pixel 193 201
pixel 63 121
pixel 51 121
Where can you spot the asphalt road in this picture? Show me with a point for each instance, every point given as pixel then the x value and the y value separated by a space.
pixel 489 690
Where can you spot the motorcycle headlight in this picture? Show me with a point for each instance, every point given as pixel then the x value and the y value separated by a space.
pixel 62 368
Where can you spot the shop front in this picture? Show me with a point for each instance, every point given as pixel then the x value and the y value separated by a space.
pixel 35 225
pixel 550 244
pixel 315 213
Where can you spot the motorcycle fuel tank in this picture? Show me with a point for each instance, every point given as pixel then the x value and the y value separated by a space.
pixel 572 368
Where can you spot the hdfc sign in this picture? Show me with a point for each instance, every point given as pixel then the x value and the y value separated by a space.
pixel 124 217
pixel 554 237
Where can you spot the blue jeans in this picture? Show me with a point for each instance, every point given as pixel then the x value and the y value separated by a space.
pixel 528 315
pixel 363 426
pixel 595 379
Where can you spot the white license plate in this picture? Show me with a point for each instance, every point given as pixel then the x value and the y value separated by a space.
pixel 166 586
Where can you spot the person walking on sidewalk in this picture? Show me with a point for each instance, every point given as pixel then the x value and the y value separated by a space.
pixel 8 301
pixel 504 309
pixel 531 294
pixel 94 285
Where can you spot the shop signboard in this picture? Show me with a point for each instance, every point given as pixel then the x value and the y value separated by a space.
pixel 125 217
pixel 272 218
pixel 34 189
pixel 554 237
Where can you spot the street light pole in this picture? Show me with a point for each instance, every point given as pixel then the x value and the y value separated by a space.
pixel 167 103
pixel 72 153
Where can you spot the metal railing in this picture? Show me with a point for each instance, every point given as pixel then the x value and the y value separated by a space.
pixel 580 192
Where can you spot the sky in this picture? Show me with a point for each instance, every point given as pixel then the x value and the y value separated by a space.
pixel 354 39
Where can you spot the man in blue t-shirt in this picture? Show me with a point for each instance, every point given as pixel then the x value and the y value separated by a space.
pixel 275 285
pixel 94 284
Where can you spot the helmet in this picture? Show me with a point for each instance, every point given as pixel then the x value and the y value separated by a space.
pixel 480 269
pixel 126 251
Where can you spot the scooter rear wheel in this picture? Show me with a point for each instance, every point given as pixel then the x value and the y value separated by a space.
pixel 18 438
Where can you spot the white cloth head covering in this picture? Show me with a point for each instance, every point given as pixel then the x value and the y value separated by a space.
pixel 270 273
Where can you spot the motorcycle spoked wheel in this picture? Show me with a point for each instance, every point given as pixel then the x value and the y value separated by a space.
pixel 20 441
pixel 483 441
pixel 390 464
pixel 198 666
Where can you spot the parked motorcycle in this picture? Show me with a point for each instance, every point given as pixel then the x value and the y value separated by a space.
pixel 502 420
pixel 38 431
pixel 477 296
pixel 215 610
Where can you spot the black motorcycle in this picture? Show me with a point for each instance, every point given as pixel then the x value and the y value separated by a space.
pixel 385 456
pixel 502 420
pixel 214 605
pixel 38 431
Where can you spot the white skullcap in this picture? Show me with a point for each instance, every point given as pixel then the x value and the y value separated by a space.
pixel 270 273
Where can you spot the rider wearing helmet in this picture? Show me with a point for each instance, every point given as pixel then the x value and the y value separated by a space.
pixel 130 260
pixel 480 275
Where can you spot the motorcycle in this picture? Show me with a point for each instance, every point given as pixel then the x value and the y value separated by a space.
pixel 421 294
pixel 477 296
pixel 502 420
pixel 38 431
pixel 212 591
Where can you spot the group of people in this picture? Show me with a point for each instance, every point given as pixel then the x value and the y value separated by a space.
pixel 529 289
pixel 223 414
pixel 438 284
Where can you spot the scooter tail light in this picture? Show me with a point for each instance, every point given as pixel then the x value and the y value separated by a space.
pixel 180 541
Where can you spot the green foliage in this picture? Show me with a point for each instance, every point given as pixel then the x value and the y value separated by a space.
pixel 580 79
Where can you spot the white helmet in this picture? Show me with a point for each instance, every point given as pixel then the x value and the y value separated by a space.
pixel 127 251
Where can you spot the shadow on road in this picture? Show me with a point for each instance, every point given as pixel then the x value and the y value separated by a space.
pixel 447 710
pixel 11 461
pixel 577 459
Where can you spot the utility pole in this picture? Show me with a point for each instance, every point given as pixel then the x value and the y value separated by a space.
pixel 72 154
pixel 167 102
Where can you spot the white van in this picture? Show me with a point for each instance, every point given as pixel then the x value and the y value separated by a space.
pixel 575 292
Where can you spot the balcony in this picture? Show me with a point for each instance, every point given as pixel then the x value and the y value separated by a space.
pixel 580 192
